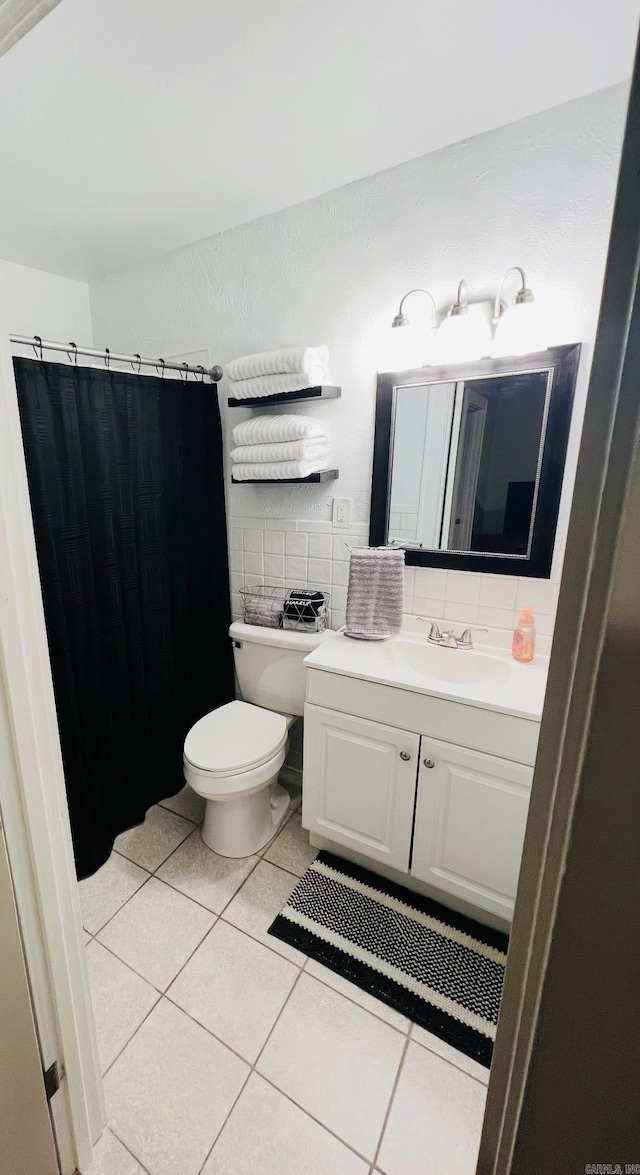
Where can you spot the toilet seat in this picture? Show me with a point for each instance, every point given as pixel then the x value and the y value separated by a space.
pixel 235 739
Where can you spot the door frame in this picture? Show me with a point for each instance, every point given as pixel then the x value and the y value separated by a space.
pixel 28 1143
pixel 34 807
pixel 559 1076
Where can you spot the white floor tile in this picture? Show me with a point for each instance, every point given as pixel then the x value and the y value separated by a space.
pixel 435 1121
pixel 259 901
pixel 291 849
pixel 336 1061
pixel 448 1053
pixel 234 987
pixel 110 1157
pixel 186 803
pixel 151 843
pixel 203 875
pixel 156 932
pixel 355 993
pixel 170 1091
pixel 102 894
pixel 120 998
pixel 266 1133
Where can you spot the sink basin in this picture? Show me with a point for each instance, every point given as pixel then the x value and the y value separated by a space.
pixel 476 677
pixel 463 666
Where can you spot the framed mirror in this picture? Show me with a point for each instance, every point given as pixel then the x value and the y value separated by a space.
pixel 469 461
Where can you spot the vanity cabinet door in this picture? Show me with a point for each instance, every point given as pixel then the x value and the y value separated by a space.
pixel 359 784
pixel 471 814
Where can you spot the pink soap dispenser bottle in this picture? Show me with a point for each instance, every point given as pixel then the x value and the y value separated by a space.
pixel 524 636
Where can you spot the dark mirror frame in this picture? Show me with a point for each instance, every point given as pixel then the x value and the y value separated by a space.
pixel 563 362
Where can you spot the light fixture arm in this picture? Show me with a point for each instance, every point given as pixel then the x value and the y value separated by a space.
pixel 524 294
pixel 401 318
pixel 461 304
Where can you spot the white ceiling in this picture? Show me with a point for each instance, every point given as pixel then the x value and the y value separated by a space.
pixel 131 127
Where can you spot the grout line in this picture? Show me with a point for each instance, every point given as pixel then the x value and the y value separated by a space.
pixel 186 836
pixel 403 1031
pixel 385 1122
pixel 308 1113
pixel 163 804
pixel 267 946
pixel 195 901
pixel 125 903
pixel 135 1031
pixel 175 849
pixel 448 1060
pixel 237 1099
pixel 252 1067
pixel 138 973
pixel 215 913
pixel 209 1031
pixel 277 1019
pixel 128 1150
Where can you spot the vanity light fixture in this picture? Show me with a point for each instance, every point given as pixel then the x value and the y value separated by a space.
pixel 462 336
pixel 411 343
pixel 520 327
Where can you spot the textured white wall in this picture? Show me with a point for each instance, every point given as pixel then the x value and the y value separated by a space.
pixel 537 192
pixel 45 304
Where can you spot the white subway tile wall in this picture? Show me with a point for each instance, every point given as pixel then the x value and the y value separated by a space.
pixel 284 552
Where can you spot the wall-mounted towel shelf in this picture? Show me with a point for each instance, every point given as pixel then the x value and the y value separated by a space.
pixel 323 392
pixel 321 475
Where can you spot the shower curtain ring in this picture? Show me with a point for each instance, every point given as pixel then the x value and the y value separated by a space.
pixel 107 357
pixel 73 360
pixel 185 369
pixel 162 366
pixel 133 367
pixel 38 347
pixel 200 368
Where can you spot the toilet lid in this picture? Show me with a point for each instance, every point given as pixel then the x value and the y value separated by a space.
pixel 235 737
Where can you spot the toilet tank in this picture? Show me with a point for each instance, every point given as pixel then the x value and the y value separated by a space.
pixel 270 665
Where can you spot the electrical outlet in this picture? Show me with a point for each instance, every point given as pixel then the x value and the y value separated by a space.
pixel 341 513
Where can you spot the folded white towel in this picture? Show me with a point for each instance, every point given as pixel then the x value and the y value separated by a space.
pixel 262 430
pixel 298 360
pixel 305 450
pixel 274 385
pixel 276 470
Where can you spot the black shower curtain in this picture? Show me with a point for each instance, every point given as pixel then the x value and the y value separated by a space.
pixel 127 494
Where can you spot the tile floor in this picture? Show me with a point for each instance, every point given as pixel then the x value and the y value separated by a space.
pixel 227 1052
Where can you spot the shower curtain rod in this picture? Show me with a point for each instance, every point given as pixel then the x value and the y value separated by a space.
pixel 72 351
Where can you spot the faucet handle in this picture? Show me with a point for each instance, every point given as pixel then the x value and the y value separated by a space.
pixel 465 637
pixel 434 634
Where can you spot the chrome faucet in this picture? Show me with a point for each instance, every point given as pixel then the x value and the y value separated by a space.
pixel 448 639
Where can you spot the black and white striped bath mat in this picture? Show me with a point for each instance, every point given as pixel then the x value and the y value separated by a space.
pixel 442 970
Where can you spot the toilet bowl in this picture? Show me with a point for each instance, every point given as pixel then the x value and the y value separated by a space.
pixel 232 756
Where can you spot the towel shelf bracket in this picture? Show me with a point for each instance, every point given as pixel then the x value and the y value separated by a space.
pixel 322 392
pixel 321 475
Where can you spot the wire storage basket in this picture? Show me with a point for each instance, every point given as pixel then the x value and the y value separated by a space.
pixel 296 609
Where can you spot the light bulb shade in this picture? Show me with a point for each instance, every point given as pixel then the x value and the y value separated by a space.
pixel 521 328
pixel 461 338
pixel 407 347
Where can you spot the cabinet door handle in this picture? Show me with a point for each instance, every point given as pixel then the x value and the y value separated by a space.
pixel 429 763
pixel 405 756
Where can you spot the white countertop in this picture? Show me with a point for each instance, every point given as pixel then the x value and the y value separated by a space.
pixel 409 662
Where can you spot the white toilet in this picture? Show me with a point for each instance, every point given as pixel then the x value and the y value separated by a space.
pixel 233 755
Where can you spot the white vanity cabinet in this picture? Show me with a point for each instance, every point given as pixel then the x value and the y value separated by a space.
pixel 435 790
pixel 359 784
pixel 471 813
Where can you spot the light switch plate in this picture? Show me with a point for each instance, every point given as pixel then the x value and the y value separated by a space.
pixel 341 512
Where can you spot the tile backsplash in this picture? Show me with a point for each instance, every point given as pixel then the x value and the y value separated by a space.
pixel 301 553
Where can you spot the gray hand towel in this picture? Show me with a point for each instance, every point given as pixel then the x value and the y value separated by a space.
pixel 375 593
